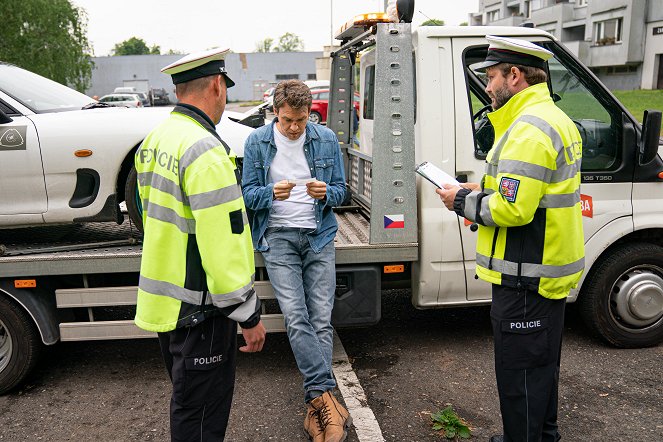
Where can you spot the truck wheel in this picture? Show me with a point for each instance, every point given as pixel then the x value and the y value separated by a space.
pixel 622 299
pixel 20 345
pixel 132 199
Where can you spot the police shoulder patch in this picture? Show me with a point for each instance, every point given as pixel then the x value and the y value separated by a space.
pixel 509 188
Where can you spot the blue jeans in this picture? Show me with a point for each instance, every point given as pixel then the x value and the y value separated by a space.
pixel 304 283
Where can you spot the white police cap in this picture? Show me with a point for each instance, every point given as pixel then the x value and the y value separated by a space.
pixel 514 51
pixel 198 65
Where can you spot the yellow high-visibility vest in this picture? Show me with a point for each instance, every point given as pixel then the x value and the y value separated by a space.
pixel 197 251
pixel 529 212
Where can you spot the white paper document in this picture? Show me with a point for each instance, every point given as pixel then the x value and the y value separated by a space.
pixel 302 182
pixel 435 175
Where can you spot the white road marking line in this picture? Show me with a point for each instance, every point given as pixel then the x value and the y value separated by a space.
pixel 363 419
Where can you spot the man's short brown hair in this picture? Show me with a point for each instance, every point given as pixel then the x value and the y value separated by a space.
pixel 294 93
pixel 532 75
pixel 196 86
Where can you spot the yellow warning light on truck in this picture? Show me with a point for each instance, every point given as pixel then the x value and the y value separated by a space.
pixel 360 24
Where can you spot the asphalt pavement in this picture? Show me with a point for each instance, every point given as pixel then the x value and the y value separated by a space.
pixel 411 364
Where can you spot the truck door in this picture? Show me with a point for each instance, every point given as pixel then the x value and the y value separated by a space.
pixel 22 188
pixel 607 133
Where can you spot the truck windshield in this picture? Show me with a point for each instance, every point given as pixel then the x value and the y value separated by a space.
pixel 37 93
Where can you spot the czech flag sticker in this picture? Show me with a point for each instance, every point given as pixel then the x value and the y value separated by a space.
pixel 394 221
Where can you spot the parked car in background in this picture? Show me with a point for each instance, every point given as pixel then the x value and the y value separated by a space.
pixel 320 105
pixel 268 95
pixel 119 100
pixel 144 99
pixel 317 84
pixel 67 158
pixel 160 97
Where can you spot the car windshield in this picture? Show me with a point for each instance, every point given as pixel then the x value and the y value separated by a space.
pixel 37 93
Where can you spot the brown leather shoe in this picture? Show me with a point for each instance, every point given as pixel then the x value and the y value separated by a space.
pixel 312 421
pixel 334 418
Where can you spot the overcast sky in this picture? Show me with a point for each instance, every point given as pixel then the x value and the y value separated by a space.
pixel 192 25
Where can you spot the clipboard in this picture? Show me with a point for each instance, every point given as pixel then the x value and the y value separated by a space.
pixel 435 175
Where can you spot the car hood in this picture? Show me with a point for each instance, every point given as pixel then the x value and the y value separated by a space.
pixel 140 121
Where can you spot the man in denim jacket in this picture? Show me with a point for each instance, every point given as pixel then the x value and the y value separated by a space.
pixel 292 177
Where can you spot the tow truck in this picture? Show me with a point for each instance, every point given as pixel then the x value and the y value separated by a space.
pixel 420 101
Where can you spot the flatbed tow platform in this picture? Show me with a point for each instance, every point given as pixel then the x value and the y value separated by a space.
pixel 110 248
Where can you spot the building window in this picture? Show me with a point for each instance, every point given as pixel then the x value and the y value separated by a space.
pixel 312 77
pixel 608 32
pixel 581 2
pixel 528 9
pixel 492 16
pixel 280 77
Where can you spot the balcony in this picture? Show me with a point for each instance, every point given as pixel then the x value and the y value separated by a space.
pixel 579 48
pixel 560 13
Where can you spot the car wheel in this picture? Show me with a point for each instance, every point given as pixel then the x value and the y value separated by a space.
pixel 20 344
pixel 622 298
pixel 132 199
pixel 315 117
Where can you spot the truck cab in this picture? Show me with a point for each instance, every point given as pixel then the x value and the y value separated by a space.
pixel 424 78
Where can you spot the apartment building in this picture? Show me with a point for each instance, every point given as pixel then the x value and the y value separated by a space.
pixel 620 40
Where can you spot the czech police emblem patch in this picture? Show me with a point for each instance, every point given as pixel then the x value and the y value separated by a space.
pixel 509 188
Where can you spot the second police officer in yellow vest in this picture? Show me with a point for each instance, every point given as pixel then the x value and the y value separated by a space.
pixel 530 242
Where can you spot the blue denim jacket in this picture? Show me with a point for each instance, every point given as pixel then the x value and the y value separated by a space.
pixel 323 154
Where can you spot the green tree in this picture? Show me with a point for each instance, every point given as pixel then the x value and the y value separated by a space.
pixel 463 24
pixel 135 46
pixel 265 45
pixel 289 42
pixel 47 37
pixel 433 22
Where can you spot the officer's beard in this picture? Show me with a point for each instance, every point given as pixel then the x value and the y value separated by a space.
pixel 501 96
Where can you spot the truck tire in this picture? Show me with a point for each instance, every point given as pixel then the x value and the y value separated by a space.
pixel 622 299
pixel 132 199
pixel 20 344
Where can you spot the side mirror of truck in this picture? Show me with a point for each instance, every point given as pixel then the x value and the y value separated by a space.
pixel 4 118
pixel 651 130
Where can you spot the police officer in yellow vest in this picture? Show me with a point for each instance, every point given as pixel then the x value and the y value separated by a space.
pixel 197 270
pixel 530 242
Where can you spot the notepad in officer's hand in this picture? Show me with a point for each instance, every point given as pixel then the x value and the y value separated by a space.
pixel 435 175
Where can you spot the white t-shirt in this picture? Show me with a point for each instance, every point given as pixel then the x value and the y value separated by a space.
pixel 289 163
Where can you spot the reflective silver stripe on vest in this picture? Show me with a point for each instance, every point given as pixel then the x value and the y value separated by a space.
pixel 529 170
pixel 171 290
pixel 163 184
pixel 244 311
pixel 215 197
pixel 563 171
pixel 195 151
pixel 554 136
pixel 531 270
pixel 168 215
pixel 470 209
pixel 235 297
pixel 193 296
pixel 557 201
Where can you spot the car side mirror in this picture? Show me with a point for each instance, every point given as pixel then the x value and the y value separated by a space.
pixel 4 118
pixel 651 130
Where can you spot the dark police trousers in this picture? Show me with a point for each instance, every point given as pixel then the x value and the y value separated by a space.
pixel 528 341
pixel 201 363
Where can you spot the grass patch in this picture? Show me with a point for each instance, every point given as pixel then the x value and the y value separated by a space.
pixel 638 101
